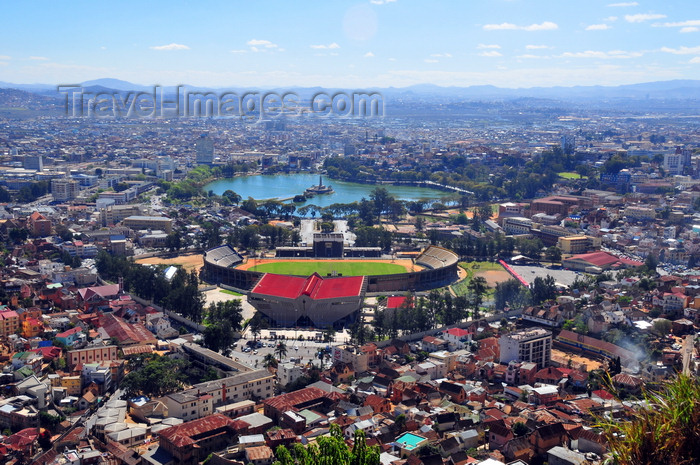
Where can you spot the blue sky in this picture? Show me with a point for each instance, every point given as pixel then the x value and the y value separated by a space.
pixel 375 43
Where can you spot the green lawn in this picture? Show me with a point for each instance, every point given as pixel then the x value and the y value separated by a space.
pixel 570 175
pixel 226 291
pixel 462 287
pixel 325 267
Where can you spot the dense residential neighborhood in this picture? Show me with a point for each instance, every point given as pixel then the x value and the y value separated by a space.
pixel 534 285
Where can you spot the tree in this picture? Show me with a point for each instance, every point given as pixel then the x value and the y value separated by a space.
pixel 232 197
pixel 543 289
pixel 553 254
pixel 155 377
pixel 477 287
pixel 520 429
pixel 281 350
pixel 269 360
pixel 173 241
pixel 257 324
pixel 330 450
pixel 651 263
pixel 329 334
pixel 662 326
pixel 400 422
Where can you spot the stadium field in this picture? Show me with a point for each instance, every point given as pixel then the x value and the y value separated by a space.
pixel 324 267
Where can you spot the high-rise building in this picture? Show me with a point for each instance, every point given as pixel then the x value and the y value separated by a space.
pixel 674 162
pixel 33 162
pixel 64 189
pixel 205 150
pixel 530 345
pixel 568 144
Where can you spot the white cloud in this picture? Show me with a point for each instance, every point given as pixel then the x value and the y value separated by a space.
pixel 624 4
pixel 330 46
pixel 4 57
pixel 545 26
pixel 168 47
pixel 694 60
pixel 689 23
pixel 682 50
pixel 381 2
pixel 598 27
pixel 369 55
pixel 533 57
pixel 262 43
pixel 687 29
pixel 392 59
pixel 500 27
pixel 441 55
pixel 38 58
pixel 641 17
pixel 537 47
pixel 613 54
pixel 486 46
pixel 492 53
pixel 610 19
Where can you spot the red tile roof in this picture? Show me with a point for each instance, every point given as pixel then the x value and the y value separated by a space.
pixel 108 290
pixel 288 401
pixel 125 332
pixel 457 332
pixel 182 435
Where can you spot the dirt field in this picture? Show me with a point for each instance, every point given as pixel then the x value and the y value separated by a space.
pixel 494 277
pixel 576 359
pixel 406 263
pixel 189 262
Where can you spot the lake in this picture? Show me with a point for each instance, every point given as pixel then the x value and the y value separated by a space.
pixel 281 186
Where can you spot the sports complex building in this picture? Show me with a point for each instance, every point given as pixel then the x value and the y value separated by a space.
pixel 301 300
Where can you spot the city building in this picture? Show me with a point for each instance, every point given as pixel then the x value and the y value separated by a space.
pixel 149 222
pixel 205 150
pixel 33 162
pixel 40 226
pixel 64 190
pixel 578 244
pixel 531 345
pixel 203 398
pixel 91 355
pixel 190 443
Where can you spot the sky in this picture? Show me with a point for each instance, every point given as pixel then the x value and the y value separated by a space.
pixel 350 44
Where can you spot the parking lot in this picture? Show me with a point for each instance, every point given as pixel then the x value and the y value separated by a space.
pixel 530 272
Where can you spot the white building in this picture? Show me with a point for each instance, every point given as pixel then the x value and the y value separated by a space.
pixel 64 189
pixel 288 373
pixel 531 345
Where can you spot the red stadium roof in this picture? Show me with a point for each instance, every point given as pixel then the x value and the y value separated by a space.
pixel 603 259
pixel 292 287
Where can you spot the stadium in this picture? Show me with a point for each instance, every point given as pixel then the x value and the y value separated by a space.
pixel 303 289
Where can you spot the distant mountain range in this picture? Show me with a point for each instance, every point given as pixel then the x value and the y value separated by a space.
pixel 423 100
pixel 675 89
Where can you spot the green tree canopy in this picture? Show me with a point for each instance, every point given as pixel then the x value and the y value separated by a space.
pixel 330 450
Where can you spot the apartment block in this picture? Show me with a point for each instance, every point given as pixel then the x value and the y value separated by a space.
pixel 531 345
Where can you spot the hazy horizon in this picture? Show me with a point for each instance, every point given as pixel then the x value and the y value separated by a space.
pixel 511 44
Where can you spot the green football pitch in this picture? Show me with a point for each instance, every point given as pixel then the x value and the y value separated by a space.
pixel 304 268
